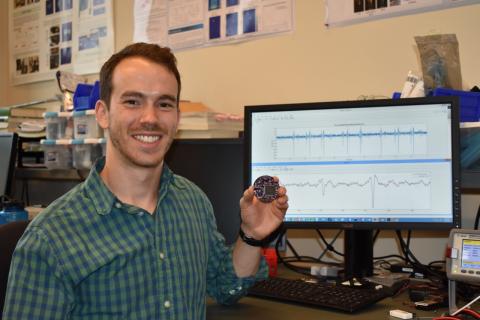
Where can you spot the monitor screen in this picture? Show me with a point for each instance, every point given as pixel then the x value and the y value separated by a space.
pixel 8 151
pixel 360 165
pixel 216 166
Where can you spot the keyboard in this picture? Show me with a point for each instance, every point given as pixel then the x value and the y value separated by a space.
pixel 320 294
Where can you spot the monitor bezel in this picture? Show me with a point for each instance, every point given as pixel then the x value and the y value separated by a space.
pixel 456 172
pixel 13 137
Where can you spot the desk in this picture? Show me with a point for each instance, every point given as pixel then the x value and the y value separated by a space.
pixel 254 308
pixel 251 308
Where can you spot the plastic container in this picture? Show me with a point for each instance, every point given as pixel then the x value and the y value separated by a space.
pixel 59 125
pixel 85 125
pixel 57 153
pixel 81 97
pixel 86 96
pixel 94 95
pixel 86 151
pixel 469 103
pixel 12 211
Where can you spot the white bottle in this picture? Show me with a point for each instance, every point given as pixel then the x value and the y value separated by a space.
pixel 411 81
pixel 418 90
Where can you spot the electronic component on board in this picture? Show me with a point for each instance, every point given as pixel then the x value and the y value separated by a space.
pixel 265 188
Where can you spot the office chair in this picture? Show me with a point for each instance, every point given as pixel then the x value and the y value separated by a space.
pixel 10 233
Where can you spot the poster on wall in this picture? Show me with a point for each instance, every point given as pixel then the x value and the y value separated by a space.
pixel 345 12
pixel 50 35
pixel 183 24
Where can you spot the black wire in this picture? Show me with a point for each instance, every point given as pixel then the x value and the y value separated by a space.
pixel 436 262
pixel 405 249
pixel 435 275
pixel 409 237
pixel 300 258
pixel 292 248
pixel 328 246
pixel 297 258
pixel 408 257
pixel 477 219
pixel 390 256
pixel 283 261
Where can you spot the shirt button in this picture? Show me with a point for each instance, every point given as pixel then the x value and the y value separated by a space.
pixel 162 256
pixel 232 292
pixel 140 214
pixel 167 304
pixel 118 205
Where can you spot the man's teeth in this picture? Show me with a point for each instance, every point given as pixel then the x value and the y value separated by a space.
pixel 148 139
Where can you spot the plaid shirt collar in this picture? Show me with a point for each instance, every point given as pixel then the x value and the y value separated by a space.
pixel 104 199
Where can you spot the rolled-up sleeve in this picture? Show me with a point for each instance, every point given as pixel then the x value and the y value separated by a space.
pixel 222 282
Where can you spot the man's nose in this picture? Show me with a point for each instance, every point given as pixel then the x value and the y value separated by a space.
pixel 149 113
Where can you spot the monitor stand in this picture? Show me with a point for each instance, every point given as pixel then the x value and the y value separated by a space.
pixel 358 253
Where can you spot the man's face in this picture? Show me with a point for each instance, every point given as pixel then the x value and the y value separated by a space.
pixel 143 116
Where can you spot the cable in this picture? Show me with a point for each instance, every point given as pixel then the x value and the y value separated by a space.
pixel 390 256
pixel 477 218
pixel 469 311
pixel 435 276
pixel 329 246
pixel 286 261
pixel 292 248
pixel 409 237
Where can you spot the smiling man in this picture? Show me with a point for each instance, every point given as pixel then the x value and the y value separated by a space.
pixel 136 241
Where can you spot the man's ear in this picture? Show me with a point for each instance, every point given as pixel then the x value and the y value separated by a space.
pixel 101 112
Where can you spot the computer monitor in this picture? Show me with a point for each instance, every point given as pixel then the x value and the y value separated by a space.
pixel 8 152
pixel 360 166
pixel 216 166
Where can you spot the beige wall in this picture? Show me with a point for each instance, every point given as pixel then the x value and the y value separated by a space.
pixel 311 64
pixel 3 53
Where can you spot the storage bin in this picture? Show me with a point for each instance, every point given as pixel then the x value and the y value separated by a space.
pixel 469 103
pixel 86 151
pixel 81 97
pixel 59 125
pixel 57 153
pixel 86 96
pixel 85 125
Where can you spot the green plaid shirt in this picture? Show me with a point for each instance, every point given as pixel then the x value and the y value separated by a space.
pixel 90 256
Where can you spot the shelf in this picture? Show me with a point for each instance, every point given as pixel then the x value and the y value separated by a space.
pixel 46 174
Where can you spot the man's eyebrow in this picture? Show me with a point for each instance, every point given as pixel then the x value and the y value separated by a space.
pixel 168 97
pixel 136 94
pixel 132 94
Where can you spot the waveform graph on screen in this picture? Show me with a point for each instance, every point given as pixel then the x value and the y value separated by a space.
pixel 365 191
pixel 350 141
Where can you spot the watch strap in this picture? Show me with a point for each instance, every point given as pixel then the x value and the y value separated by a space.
pixel 251 241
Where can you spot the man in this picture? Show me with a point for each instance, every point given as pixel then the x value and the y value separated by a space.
pixel 135 241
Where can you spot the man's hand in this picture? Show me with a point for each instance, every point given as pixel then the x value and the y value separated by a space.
pixel 260 219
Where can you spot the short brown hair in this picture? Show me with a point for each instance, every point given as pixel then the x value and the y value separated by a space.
pixel 155 53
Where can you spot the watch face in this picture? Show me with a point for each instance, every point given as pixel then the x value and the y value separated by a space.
pixel 265 189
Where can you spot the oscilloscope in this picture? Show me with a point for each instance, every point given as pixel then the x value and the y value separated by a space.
pixel 360 165
pixel 463 255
